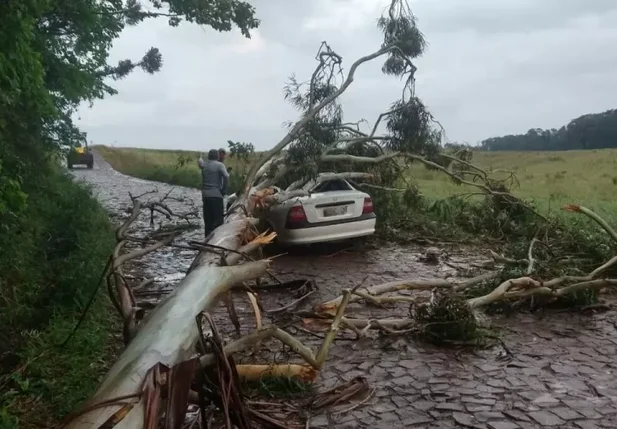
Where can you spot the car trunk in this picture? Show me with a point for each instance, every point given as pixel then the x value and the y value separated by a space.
pixel 333 201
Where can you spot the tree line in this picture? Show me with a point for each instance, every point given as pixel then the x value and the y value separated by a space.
pixel 590 131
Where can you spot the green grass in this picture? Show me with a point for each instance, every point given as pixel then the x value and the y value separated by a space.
pixel 57 379
pixel 549 179
pixel 155 165
pixel 51 257
pixel 176 167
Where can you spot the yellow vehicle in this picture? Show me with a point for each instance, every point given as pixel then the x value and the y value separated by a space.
pixel 80 156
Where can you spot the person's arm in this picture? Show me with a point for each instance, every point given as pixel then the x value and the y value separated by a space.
pixel 201 162
pixel 224 179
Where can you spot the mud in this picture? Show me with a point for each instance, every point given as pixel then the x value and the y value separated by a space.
pixel 562 370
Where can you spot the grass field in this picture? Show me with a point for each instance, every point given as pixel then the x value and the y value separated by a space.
pixel 550 179
pixel 177 167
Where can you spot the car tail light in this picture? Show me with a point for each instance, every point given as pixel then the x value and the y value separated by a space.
pixel 296 215
pixel 368 206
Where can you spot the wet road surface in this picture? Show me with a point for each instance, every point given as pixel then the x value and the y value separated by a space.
pixel 561 374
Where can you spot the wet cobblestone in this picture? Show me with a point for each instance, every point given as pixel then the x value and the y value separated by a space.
pixel 562 373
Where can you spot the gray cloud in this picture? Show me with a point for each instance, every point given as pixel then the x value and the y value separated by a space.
pixel 507 16
pixel 491 68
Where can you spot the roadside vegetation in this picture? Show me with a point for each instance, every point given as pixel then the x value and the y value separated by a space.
pixel 51 257
pixel 55 239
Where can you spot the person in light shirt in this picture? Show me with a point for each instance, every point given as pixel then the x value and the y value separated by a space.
pixel 214 186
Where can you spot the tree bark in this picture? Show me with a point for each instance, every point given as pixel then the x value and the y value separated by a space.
pixel 168 335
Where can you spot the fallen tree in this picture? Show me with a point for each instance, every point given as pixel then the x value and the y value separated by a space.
pixel 163 345
pixel 168 335
pixel 161 363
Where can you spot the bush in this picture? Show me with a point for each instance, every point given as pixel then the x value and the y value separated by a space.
pixel 51 258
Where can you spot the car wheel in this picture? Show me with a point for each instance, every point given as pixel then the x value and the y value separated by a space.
pixel 360 243
pixel 70 166
pixel 275 248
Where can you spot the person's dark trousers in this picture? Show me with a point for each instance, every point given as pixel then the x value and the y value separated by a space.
pixel 213 213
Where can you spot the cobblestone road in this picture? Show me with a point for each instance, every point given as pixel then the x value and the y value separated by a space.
pixel 562 373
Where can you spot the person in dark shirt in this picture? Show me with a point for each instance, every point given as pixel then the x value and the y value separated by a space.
pixel 214 187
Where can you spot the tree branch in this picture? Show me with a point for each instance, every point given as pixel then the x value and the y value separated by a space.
pixel 310 115
pixel 484 187
pixel 359 159
pixel 398 285
pixel 330 176
pixel 530 256
pixel 592 215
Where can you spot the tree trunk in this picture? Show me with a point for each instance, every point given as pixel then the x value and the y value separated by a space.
pixel 168 335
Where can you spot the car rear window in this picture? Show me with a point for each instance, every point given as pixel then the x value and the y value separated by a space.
pixel 332 186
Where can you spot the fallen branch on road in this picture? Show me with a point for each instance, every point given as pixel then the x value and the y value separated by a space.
pixel 339 394
pixel 120 291
pixel 152 346
pixel 509 290
pixel 400 285
pixel 256 372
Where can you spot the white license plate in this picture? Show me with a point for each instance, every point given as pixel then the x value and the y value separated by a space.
pixel 334 211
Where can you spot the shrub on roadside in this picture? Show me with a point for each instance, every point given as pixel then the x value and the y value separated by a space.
pixel 52 255
pixel 51 258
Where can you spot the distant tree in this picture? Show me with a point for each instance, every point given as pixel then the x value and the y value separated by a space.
pixel 240 150
pixel 592 131
pixel 243 154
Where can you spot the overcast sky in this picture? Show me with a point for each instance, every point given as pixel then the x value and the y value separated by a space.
pixel 491 68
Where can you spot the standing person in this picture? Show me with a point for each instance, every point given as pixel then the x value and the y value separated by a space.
pixel 215 178
pixel 222 155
